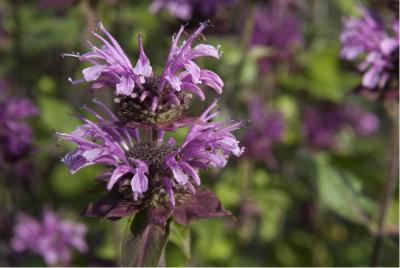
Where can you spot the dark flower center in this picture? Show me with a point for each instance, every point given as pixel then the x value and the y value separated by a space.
pixel 131 108
pixel 153 155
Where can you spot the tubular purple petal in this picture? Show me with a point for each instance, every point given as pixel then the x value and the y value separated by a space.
pixel 118 173
pixel 169 187
pixel 142 68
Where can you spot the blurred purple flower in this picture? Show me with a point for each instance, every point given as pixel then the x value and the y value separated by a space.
pixel 184 9
pixel 110 143
pixel 15 134
pixel 366 37
pixel 264 131
pixel 111 66
pixel 3 86
pixel 56 4
pixel 364 123
pixel 323 122
pixel 53 238
pixel 277 27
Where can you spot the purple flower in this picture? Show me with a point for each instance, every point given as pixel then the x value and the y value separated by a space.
pixel 15 134
pixel 144 172
pixel 277 27
pixel 184 9
pixel 264 130
pixel 324 121
pixel 321 124
pixel 108 144
pixel 53 238
pixel 207 144
pixel 144 164
pixel 139 85
pixel 367 38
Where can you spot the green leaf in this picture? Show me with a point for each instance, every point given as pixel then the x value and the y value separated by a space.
pixel 326 78
pixel 143 242
pixel 323 77
pixel 180 235
pixel 341 192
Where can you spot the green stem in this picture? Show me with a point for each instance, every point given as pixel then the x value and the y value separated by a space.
pixel 244 44
pixel 390 188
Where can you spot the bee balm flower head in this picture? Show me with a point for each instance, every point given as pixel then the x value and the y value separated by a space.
pixel 140 94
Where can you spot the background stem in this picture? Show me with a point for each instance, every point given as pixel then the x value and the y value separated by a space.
pixel 245 39
pixel 390 188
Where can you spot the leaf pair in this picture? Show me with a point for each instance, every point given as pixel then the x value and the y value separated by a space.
pixel 148 232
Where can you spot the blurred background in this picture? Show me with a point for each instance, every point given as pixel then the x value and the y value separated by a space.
pixel 307 191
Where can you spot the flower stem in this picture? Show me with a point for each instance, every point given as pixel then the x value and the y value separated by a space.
pixel 154 135
pixel 389 190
